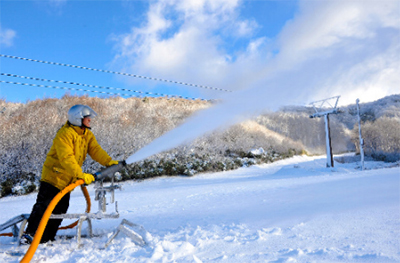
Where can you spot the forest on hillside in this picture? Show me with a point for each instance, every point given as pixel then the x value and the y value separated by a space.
pixel 126 125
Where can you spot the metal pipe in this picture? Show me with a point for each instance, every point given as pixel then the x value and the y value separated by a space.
pixel 329 156
pixel 359 134
pixel 109 171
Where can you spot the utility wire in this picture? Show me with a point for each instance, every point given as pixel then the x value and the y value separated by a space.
pixel 95 91
pixel 98 87
pixel 115 72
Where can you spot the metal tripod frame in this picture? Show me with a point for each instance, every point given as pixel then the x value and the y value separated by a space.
pixel 100 196
pixel 136 232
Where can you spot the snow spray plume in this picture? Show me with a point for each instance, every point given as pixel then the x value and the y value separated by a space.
pixel 337 57
pixel 237 107
pixel 202 122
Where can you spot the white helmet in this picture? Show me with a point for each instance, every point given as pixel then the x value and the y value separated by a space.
pixel 78 112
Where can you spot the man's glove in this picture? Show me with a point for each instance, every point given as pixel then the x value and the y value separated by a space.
pixel 88 178
pixel 112 162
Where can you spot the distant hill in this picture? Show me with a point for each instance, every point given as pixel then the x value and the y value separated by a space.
pixel 126 125
pixel 370 111
pixel 123 127
pixel 377 117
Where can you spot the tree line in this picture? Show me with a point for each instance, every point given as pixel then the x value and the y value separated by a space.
pixel 126 125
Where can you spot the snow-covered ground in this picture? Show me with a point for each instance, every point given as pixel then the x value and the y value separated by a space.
pixel 294 210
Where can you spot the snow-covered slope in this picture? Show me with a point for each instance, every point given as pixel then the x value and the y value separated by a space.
pixel 294 210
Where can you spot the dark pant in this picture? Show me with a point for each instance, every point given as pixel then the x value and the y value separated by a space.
pixel 46 193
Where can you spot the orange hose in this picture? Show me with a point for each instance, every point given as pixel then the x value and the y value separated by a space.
pixel 45 218
pixel 88 205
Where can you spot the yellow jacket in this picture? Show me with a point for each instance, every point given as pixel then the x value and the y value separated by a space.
pixel 67 154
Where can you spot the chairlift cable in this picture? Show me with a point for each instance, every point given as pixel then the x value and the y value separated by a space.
pixel 95 86
pixel 95 91
pixel 115 72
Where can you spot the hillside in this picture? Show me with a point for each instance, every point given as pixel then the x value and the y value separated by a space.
pixel 126 125
pixel 380 123
pixel 123 127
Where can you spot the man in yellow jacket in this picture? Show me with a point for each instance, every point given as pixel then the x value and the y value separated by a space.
pixel 63 166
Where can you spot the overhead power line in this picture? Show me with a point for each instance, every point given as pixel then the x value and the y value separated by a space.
pixel 115 72
pixel 95 86
pixel 94 91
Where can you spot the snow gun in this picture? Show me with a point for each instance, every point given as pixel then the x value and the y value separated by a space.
pixel 109 171
pixel 136 232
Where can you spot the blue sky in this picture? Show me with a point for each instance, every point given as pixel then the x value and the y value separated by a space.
pixel 325 48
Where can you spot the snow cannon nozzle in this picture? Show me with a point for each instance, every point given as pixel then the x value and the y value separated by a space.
pixel 109 171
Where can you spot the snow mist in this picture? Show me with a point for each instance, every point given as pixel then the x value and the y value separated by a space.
pixel 203 121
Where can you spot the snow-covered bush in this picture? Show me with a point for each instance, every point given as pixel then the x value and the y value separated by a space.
pixel 299 127
pixel 381 138
pixel 177 162
pixel 126 125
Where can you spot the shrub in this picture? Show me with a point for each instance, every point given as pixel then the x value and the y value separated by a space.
pixel 126 125
pixel 381 139
pixel 6 187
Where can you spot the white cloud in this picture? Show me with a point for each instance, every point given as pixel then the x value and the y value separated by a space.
pixel 371 77
pixel 7 37
pixel 246 28
pixel 184 40
pixel 348 48
pixel 330 24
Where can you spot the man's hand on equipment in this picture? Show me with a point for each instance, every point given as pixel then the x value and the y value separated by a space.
pixel 88 178
pixel 112 162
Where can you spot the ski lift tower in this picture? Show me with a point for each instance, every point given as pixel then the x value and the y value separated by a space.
pixel 322 109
